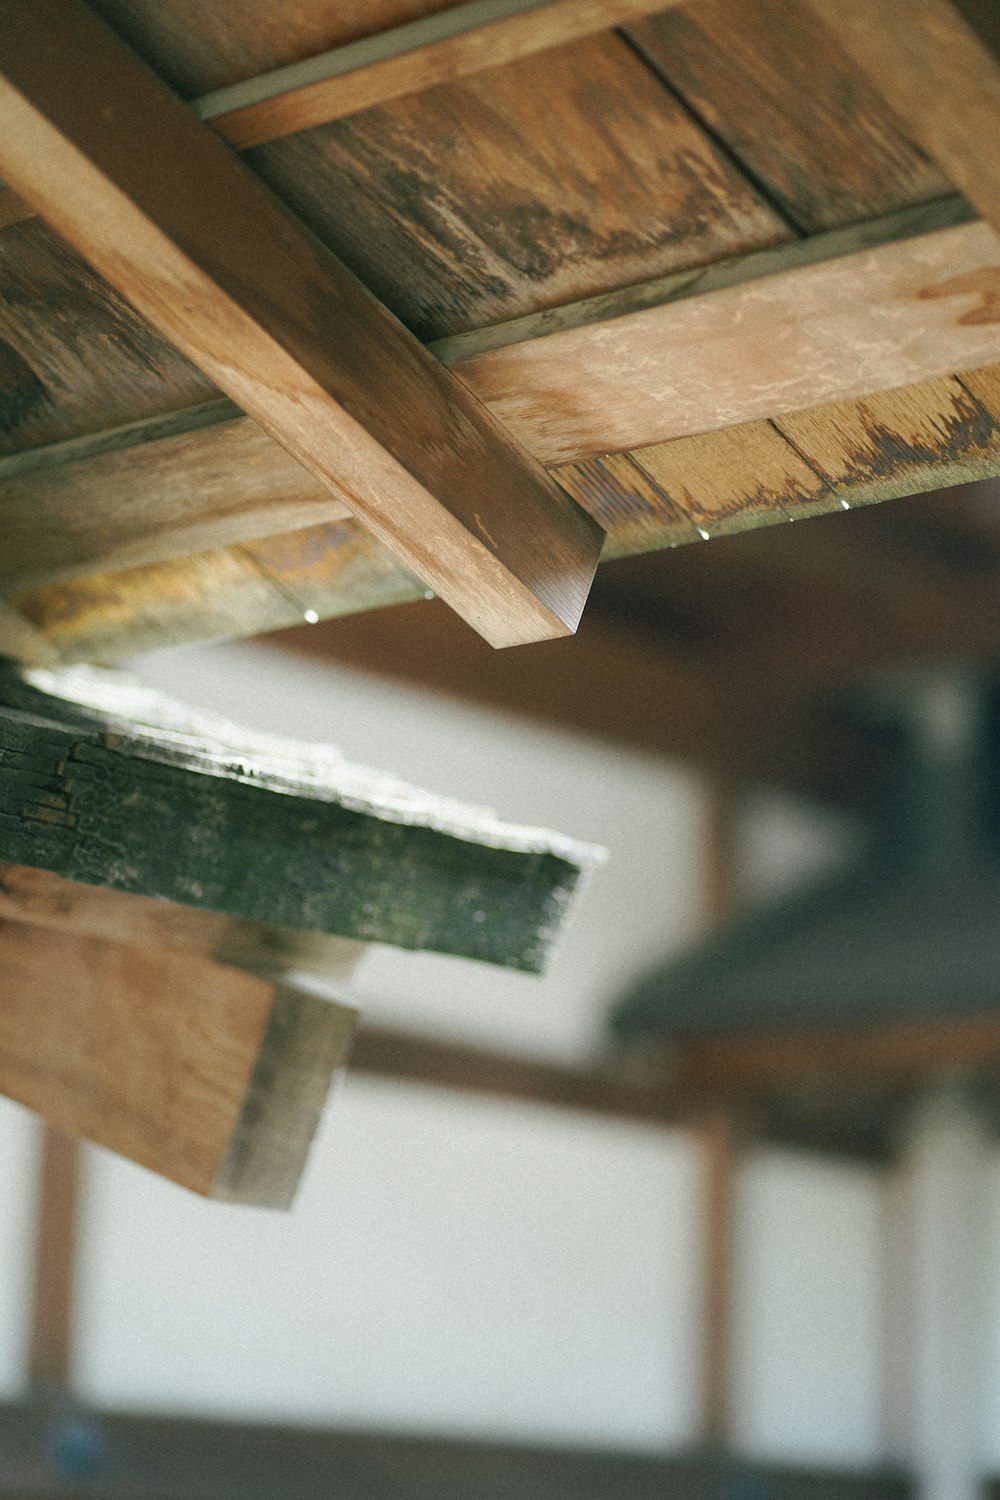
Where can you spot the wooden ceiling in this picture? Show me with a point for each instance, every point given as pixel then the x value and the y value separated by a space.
pixel 714 267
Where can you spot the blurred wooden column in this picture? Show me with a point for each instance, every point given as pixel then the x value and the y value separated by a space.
pixel 721 1138
pixel 51 1329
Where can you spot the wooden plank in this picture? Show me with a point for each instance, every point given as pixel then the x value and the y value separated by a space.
pixel 65 508
pixel 43 899
pixel 109 786
pixel 442 48
pixel 376 418
pixel 74 357
pixel 865 322
pixel 722 1145
pixel 264 585
pixel 51 1333
pixel 737 479
pixel 941 79
pixel 208 1076
pixel 770 80
pixel 579 174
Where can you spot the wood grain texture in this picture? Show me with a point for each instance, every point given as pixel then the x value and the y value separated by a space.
pixel 556 177
pixel 449 46
pixel 74 357
pixel 769 78
pixel 737 479
pixel 942 433
pixel 64 508
pixel 940 78
pixel 196 48
pixel 196 1071
pixel 245 293
pixel 162 487
pixel 870 321
pixel 92 790
pixel 43 899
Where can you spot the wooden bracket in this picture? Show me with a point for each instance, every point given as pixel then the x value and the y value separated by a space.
pixel 161 207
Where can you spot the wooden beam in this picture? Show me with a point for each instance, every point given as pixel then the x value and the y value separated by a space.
pixel 942 81
pixel 719 1136
pixel 732 1063
pixel 208 477
pixel 435 49
pixel 204 1074
pixel 51 1334
pixel 111 786
pixel 247 295
pixel 863 322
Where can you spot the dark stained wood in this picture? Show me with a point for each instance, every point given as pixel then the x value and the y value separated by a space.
pixel 51 1334
pixel 204 1074
pixel 197 47
pixel 110 786
pixel 441 49
pixel 577 173
pixel 375 417
pixel 74 357
pixel 792 106
pixel 941 79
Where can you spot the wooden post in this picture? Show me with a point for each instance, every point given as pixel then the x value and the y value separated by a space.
pixel 50 1339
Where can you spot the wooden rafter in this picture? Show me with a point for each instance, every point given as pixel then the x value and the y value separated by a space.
pixel 250 299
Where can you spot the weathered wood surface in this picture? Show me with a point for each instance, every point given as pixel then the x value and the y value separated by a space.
pixel 54 1262
pixel 445 47
pixel 578 174
pixel 206 1075
pixel 245 294
pixel 811 127
pixel 94 788
pixel 942 80
pixel 152 490
pixel 941 433
pixel 870 321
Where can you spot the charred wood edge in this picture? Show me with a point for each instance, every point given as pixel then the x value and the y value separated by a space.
pixel 107 795
pixel 125 1456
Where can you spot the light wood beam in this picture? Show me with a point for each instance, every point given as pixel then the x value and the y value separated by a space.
pixel 206 1075
pixel 208 476
pixel 869 321
pixel 251 299
pixel 944 84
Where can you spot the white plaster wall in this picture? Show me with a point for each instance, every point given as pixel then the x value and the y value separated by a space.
pixel 18 1158
pixel 470 1265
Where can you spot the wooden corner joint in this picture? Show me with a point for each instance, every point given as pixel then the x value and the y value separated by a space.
pixel 161 207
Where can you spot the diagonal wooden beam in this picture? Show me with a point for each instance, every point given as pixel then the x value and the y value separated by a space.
pixel 206 1075
pixel 169 216
pixel 942 81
